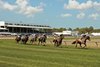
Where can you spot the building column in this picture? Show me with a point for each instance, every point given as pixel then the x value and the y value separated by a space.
pixel 12 29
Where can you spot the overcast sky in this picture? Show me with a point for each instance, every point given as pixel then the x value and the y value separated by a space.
pixel 56 13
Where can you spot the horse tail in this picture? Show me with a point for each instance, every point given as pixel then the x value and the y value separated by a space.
pixel 73 42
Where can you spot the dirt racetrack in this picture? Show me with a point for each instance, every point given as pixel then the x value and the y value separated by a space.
pixel 95 41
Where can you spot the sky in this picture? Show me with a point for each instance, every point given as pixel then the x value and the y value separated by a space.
pixel 55 13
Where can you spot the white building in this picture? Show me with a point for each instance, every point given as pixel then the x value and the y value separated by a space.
pixel 23 28
pixel 95 34
pixel 67 33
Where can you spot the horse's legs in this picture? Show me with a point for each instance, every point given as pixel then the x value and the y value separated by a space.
pixel 58 43
pixel 54 42
pixel 38 42
pixel 85 45
pixel 17 41
pixel 24 42
pixel 76 45
pixel 80 45
pixel 44 44
pixel 31 41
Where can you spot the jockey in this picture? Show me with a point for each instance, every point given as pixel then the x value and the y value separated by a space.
pixel 61 36
pixel 19 36
pixel 83 36
pixel 55 37
pixel 45 36
pixel 23 37
pixel 33 35
pixel 40 36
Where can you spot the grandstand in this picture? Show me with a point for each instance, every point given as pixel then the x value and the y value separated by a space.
pixel 23 28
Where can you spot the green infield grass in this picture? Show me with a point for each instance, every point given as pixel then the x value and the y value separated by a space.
pixel 20 55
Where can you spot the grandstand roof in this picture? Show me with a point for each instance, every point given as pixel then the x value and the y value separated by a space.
pixel 3 23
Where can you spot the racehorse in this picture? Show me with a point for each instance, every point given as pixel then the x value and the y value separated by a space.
pixel 24 39
pixel 34 38
pixel 82 40
pixel 58 40
pixel 42 39
pixel 18 38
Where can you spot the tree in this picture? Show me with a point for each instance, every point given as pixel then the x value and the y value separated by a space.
pixel 61 29
pixel 58 29
pixel 84 30
pixel 70 29
pixel 91 29
pixel 77 29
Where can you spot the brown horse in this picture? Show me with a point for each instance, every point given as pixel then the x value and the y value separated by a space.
pixel 81 41
pixel 58 40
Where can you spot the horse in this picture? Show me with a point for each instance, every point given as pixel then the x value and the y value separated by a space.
pixel 24 39
pixel 18 38
pixel 58 40
pixel 34 38
pixel 42 39
pixel 82 40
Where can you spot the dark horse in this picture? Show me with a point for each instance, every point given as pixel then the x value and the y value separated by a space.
pixel 82 40
pixel 42 39
pixel 34 38
pixel 24 39
pixel 58 40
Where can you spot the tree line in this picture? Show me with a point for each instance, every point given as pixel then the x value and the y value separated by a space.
pixel 80 30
